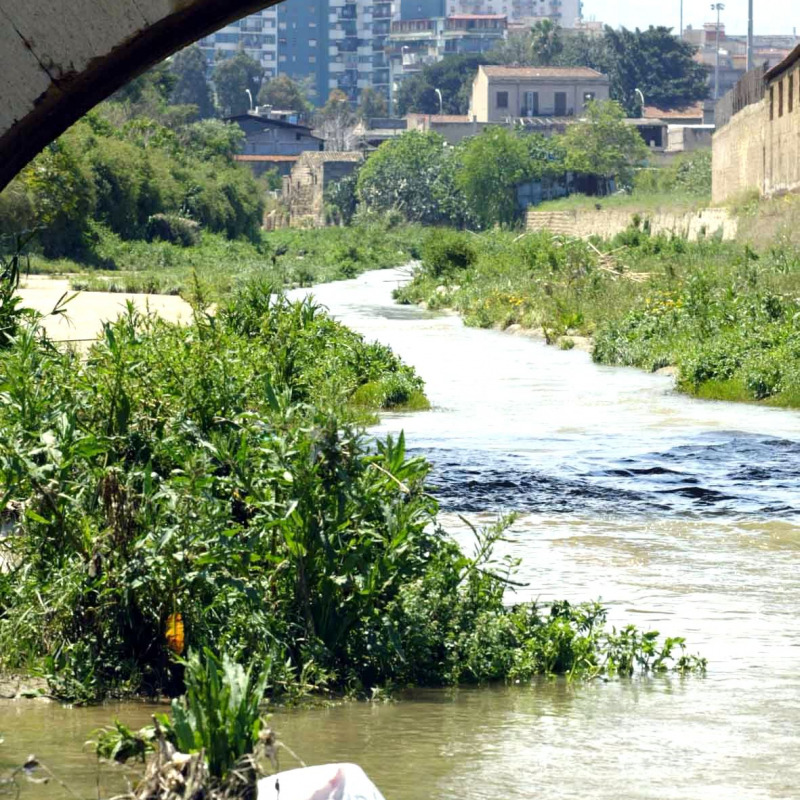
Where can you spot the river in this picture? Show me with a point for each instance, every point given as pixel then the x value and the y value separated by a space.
pixel 680 515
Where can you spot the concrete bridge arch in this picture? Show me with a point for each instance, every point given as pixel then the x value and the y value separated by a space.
pixel 59 58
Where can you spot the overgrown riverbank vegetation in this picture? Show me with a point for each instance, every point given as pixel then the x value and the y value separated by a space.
pixel 209 486
pixel 726 317
pixel 141 196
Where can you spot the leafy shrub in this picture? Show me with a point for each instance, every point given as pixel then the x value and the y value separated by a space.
pixel 446 252
pixel 174 229
pixel 220 714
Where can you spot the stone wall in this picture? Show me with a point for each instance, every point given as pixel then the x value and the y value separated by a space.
pixel 584 223
pixel 739 155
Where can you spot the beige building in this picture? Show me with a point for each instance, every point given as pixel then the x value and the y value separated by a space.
pixel 759 148
pixel 502 93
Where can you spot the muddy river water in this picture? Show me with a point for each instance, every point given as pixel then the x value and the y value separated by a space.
pixel 680 515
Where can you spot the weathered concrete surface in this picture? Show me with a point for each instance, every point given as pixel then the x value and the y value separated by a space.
pixel 59 58
pixel 606 224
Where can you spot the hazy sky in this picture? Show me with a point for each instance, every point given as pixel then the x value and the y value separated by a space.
pixel 771 16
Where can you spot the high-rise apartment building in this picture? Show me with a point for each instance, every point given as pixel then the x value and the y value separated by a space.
pixel 565 13
pixel 330 44
pixel 257 35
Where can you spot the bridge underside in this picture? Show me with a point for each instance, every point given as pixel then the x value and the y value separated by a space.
pixel 59 58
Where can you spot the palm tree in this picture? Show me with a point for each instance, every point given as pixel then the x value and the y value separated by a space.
pixel 546 43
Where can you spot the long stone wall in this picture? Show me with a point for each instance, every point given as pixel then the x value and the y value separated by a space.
pixel 739 155
pixel 606 224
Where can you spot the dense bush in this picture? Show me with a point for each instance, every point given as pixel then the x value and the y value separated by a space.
pixel 446 252
pixel 214 472
pixel 174 229
pixel 123 175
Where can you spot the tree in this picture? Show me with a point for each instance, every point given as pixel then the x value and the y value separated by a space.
pixel 661 66
pixel 654 61
pixel 401 174
pixel 515 50
pixel 604 144
pixel 191 87
pixel 546 43
pixel 285 94
pixel 372 104
pixel 453 76
pixel 233 77
pixel 212 138
pixel 335 122
pixel 492 164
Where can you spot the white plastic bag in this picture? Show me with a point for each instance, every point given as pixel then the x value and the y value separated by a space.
pixel 324 782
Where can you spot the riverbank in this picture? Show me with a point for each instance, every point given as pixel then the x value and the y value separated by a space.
pixel 286 257
pixel 719 314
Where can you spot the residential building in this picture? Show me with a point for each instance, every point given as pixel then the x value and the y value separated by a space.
pixel 256 35
pixel 758 147
pixel 415 43
pixel 769 50
pixel 273 143
pixel 304 187
pixel 566 13
pixel 500 93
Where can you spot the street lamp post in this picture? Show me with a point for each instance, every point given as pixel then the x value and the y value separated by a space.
pixel 719 8
pixel 749 35
pixel 681 30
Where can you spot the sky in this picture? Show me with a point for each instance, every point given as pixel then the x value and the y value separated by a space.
pixel 771 16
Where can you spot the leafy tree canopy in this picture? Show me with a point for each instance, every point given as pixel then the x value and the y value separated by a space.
pixel 453 76
pixel 372 104
pixel 284 93
pixel 191 86
pixel 401 174
pixel 492 164
pixel 604 144
pixel 233 77
pixel 655 62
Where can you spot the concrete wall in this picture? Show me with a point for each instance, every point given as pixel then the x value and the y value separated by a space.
pixel 782 123
pixel 759 149
pixel 739 155
pixel 606 224
pixel 59 58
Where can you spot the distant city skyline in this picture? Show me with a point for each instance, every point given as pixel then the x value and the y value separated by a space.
pixel 773 17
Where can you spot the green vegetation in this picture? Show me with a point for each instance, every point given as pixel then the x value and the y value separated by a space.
pixel 287 257
pixel 208 486
pixel 120 177
pixel 683 185
pixel 726 317
pixel 474 184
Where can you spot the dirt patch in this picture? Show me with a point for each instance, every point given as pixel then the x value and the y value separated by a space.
pixel 87 311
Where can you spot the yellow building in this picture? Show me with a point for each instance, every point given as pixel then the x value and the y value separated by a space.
pixel 502 93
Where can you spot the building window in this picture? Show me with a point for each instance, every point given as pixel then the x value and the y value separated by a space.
pixel 790 95
pixel 312 59
pixel 312 42
pixel 502 99
pixel 561 104
pixel 780 98
pixel 588 97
